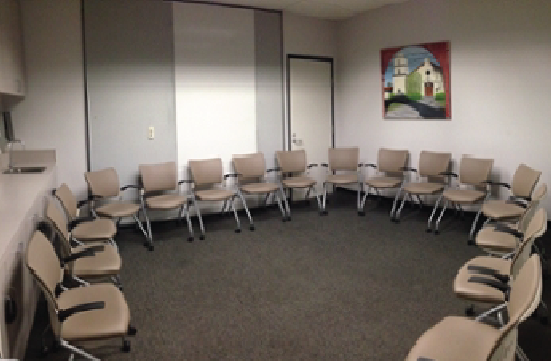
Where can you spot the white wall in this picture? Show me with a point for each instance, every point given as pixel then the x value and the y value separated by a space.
pixel 52 114
pixel 215 81
pixel 500 76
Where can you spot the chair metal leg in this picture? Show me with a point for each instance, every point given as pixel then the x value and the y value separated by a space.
pixel 285 203
pixel 78 351
pixel 429 228
pixel 395 201
pixel 224 206
pixel 364 199
pixel 521 355
pixel 473 227
pixel 436 230
pixel 240 195
pixel 232 202
pixel 185 211
pixel 198 212
pixel 139 224
pixel 283 212
pixel 323 212
pixel 399 211
pixel 359 197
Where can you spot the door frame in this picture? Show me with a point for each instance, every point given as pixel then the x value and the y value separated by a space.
pixel 323 59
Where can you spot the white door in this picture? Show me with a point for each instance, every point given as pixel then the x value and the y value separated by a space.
pixel 311 110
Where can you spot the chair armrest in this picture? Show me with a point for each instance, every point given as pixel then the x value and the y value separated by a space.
pixel 185 181
pixel 232 175
pixel 517 202
pixel 481 270
pixel 372 165
pixel 88 252
pixel 90 199
pixel 494 283
pixel 408 169
pixel 501 184
pixel 133 186
pixel 500 227
pixel 311 165
pixel 76 221
pixel 455 175
pixel 274 169
pixel 324 165
pixel 62 315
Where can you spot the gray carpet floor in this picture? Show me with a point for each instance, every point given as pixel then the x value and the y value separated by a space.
pixel 340 287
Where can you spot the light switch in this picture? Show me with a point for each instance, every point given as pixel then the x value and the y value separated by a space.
pixel 151 133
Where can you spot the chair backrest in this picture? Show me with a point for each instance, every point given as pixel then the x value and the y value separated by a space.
pixel 524 181
pixel 159 177
pixel 43 264
pixel 291 161
pixel 207 171
pixel 537 196
pixel 524 299
pixel 68 200
pixel 431 164
pixel 249 166
pixel 103 183
pixel 536 228
pixel 344 158
pixel 57 219
pixel 392 161
pixel 474 171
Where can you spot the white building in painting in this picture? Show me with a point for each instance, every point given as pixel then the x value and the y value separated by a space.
pixel 432 78
pixel 401 71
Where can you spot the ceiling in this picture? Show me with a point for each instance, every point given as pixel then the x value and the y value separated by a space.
pixel 324 9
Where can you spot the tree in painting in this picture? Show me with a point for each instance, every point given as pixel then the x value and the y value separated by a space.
pixel 415 82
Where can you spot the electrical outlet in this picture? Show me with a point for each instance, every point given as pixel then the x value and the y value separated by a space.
pixel 151 133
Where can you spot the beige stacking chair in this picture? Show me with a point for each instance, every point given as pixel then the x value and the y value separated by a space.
pixel 391 165
pixel 469 282
pixel 84 229
pixel 346 162
pixel 160 192
pixel 460 338
pixel 295 174
pixel 104 185
pixel 252 176
pixel 473 174
pixel 501 238
pixel 431 167
pixel 106 262
pixel 93 313
pixel 209 185
pixel 524 181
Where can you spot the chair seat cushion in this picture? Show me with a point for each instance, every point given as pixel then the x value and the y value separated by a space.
pixel 498 209
pixel 476 291
pixel 489 238
pixel 166 201
pixel 384 182
pixel 298 182
pixel 214 194
pixel 423 188
pixel 254 188
pixel 342 178
pixel 99 228
pixel 455 339
pixel 464 195
pixel 103 263
pixel 118 209
pixel 111 321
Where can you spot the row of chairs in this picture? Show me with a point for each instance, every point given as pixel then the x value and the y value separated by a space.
pixel 159 188
pixel 77 265
pixel 506 283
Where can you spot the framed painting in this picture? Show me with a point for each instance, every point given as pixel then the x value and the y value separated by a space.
pixel 416 81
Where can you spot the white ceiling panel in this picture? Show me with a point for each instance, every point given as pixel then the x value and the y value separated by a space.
pixel 325 9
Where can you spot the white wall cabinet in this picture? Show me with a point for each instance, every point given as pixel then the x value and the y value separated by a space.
pixel 12 78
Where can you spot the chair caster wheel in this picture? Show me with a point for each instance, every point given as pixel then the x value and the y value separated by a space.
pixel 469 311
pixel 125 346
pixel 428 230
pixel 190 239
pixel 251 228
pixel 361 213
pixel 470 242
pixel 238 230
pixel 131 330
pixel 544 320
pixel 436 232
pixel 149 246
pixel 202 237
pixel 289 219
